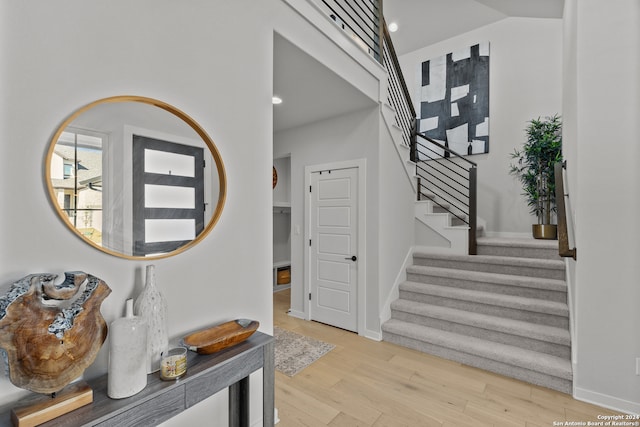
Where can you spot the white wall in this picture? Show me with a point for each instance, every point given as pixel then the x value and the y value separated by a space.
pixel 349 137
pixel 525 82
pixel 605 178
pixel 397 218
pixel 55 58
pixel 59 56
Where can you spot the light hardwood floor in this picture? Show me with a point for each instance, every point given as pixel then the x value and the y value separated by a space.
pixel 367 383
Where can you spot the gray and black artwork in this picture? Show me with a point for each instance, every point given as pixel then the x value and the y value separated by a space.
pixel 454 100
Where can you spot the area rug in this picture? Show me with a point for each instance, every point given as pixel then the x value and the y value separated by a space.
pixel 294 352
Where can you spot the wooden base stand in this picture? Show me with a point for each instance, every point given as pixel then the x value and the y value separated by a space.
pixel 46 408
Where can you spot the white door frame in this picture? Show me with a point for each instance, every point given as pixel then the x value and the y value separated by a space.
pixel 361 165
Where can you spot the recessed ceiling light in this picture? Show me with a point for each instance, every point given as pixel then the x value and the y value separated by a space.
pixel 393 27
pixel 276 100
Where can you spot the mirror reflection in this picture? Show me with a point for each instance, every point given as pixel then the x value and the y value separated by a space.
pixel 135 177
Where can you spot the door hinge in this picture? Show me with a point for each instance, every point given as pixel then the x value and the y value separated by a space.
pixel 309 242
pixel 309 296
pixel 309 189
pixel 204 164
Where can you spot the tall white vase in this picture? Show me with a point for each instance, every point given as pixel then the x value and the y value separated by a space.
pixel 127 374
pixel 152 306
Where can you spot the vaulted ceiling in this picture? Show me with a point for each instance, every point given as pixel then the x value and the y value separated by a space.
pixel 425 22
pixel 312 92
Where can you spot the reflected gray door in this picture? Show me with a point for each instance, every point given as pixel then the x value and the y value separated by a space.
pixel 168 195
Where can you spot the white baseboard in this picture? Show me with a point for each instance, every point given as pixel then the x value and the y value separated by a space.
pixel 611 402
pixel 298 314
pixel 373 335
pixel 385 311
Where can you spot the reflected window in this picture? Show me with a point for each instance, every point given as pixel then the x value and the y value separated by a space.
pixel 76 172
pixel 69 170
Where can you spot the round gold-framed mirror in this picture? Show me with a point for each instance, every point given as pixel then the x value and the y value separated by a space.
pixel 135 177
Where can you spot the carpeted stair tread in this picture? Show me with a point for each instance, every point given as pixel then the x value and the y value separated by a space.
pixel 510 301
pixel 510 355
pixel 504 310
pixel 518 247
pixel 500 324
pixel 518 242
pixel 491 259
pixel 496 278
pixel 499 264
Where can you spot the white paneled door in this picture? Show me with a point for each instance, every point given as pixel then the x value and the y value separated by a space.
pixel 333 247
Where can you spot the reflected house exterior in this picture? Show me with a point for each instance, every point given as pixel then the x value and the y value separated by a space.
pixel 76 177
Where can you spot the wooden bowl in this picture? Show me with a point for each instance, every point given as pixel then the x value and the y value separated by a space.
pixel 219 337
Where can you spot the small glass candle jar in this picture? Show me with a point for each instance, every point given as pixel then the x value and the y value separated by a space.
pixel 173 364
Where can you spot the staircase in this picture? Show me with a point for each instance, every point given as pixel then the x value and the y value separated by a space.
pixel 438 219
pixel 504 310
pixel 432 212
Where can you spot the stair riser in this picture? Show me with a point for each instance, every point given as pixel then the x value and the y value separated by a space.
pixel 456 222
pixel 518 252
pixel 546 273
pixel 492 310
pixel 543 294
pixel 454 219
pixel 490 335
pixel 517 372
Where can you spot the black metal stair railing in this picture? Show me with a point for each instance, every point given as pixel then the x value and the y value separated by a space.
pixel 449 181
pixel 361 19
pixel 442 178
pixel 397 92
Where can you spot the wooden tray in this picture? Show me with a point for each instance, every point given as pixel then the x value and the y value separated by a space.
pixel 216 338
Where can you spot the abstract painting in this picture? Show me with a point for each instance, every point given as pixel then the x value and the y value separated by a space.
pixel 454 100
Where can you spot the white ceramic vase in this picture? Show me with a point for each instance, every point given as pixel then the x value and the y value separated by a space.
pixel 151 306
pixel 127 374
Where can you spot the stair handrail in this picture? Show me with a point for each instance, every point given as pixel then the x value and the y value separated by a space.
pixel 447 149
pixel 362 19
pixel 406 118
pixel 463 196
pixel 564 249
pixel 397 91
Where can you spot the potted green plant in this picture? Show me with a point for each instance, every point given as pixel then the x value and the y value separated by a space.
pixel 534 167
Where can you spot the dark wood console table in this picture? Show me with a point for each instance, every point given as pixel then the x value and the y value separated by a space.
pixel 161 400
